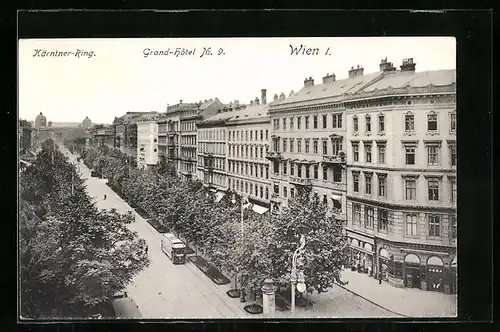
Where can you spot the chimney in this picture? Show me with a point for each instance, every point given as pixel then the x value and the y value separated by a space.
pixel 308 82
pixel 256 101
pixel 408 65
pixel 386 66
pixel 263 96
pixel 282 96
pixel 275 97
pixel 356 71
pixel 329 78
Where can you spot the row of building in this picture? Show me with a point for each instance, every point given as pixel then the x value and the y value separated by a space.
pixel 379 149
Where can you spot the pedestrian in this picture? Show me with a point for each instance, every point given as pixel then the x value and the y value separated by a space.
pixel 146 249
pixel 380 278
pixel 105 196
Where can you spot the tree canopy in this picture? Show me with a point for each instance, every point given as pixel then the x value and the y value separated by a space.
pixel 73 256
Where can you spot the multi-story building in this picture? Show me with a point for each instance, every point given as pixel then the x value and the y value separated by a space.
pixel 247 146
pixel 125 132
pixel 212 152
pixel 101 136
pixel 308 140
pixel 187 147
pixel 177 133
pixel 147 143
pixel 401 183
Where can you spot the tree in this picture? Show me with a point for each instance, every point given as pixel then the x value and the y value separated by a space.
pixel 72 255
pixel 326 244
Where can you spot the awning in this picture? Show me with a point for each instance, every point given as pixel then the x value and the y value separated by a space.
pixel 259 209
pixel 218 196
pixel 336 197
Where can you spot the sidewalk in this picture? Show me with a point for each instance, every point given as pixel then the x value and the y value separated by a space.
pixel 405 301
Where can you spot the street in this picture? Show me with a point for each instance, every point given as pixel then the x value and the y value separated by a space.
pixel 164 290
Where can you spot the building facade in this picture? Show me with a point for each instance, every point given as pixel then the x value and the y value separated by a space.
pixel 401 192
pixel 309 138
pixel 248 132
pixel 125 132
pixel 147 143
pixel 102 136
pixel 40 121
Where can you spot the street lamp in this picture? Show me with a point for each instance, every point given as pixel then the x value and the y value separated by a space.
pixel 242 207
pixel 297 277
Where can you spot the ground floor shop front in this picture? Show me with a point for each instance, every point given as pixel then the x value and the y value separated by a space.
pixel 429 268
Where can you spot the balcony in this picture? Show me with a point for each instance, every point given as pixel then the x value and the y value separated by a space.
pixel 300 181
pixel 273 155
pixel 334 160
pixel 275 198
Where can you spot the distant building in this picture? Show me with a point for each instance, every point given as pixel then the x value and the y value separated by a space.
pixel 147 143
pixel 86 123
pixel 125 132
pixel 40 121
pixel 101 136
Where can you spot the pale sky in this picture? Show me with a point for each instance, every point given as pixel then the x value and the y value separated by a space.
pixel 119 78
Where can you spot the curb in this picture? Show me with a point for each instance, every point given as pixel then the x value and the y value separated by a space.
pixel 374 303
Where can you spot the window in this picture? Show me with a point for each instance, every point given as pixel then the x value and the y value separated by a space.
pixel 410 155
pixel 433 188
pixel 307 122
pixel 261 192
pixel 324 121
pixel 246 135
pixel 453 226
pixel 307 172
pixel 316 171
pixel 409 123
pixel 337 174
pixel 292 169
pixel 368 152
pixel 381 185
pixel 411 224
pixel 299 170
pixel 299 145
pixel 368 217
pixel 453 122
pixel 276 165
pixel 355 182
pixel 315 147
pixel 299 120
pixel 382 219
pixel 355 124
pixel 356 213
pixel 411 189
pixel 453 185
pixel 381 154
pixel 261 135
pixel 355 151
pixel 291 145
pixel 337 120
pixel 261 152
pixel 368 124
pixel 336 146
pixel 432 124
pixel 381 123
pixel 292 192
pixel 453 155
pixel 433 155
pixel 368 184
pixel 267 134
pixel 307 146
pixel 434 225
pixel 284 144
pixel 291 123
pixel 325 173
pixel 325 148
pixel 315 122
pixel 251 135
pixel 267 192
pixel 285 192
pixel 284 123
pixel 276 189
pixel 285 167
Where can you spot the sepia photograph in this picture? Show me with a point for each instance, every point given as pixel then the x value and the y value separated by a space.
pixel 237 178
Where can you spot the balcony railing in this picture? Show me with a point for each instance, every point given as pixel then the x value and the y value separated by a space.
pixel 300 181
pixel 333 160
pixel 275 197
pixel 273 155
